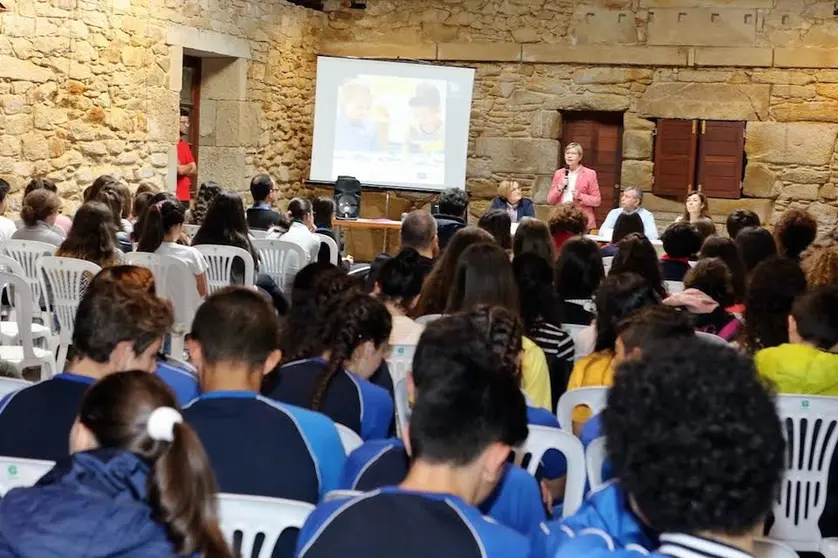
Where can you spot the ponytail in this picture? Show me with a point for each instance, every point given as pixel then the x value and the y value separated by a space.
pixel 159 220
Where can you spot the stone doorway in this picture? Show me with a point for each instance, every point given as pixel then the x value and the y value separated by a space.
pixel 601 136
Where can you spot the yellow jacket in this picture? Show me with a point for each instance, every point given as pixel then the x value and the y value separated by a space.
pixel 802 369
pixel 596 369
pixel 536 375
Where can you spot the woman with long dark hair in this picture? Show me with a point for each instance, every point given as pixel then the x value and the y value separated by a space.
pixel 579 272
pixel 726 250
pixel 398 286
pixel 207 194
pixel 93 237
pixel 637 255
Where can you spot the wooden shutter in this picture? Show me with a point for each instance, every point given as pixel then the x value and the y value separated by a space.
pixel 721 154
pixel 675 156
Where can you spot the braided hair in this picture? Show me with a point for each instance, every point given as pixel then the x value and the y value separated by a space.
pixel 357 319
pixel 503 333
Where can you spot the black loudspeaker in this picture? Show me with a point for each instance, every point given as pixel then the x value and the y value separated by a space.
pixel 347 198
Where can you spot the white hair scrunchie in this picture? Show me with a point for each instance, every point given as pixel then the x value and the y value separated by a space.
pixel 161 423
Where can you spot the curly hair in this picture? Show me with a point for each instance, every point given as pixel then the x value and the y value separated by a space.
pixel 567 219
pixel 820 264
pixel 692 457
pixel 773 286
pixel 635 254
pixel 794 232
pixel 712 277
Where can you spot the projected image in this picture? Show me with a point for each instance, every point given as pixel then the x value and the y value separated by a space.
pixel 388 126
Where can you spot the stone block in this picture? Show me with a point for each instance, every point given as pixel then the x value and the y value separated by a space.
pixel 16 125
pixel 805 57
pixel 209 42
pixel 384 51
pixel 811 111
pixel 782 77
pixel 800 192
pixel 790 143
pixel 594 24
pixel 237 123
pixel 479 52
pixel 766 4
pixel 827 215
pixel 637 144
pixel 611 55
pixel 759 180
pixel 15 69
pixel 513 155
pixel 35 147
pixel 546 124
pixel 478 168
pixel 738 57
pixel 18 26
pixel 161 115
pixel 541 187
pixel 705 101
pixel 134 56
pixel 589 101
pixel 224 79
pixel 829 192
pixel 9 146
pixel 637 174
pixel 805 175
pixel 633 122
pixel 207 123
pixel 611 75
pixel 701 27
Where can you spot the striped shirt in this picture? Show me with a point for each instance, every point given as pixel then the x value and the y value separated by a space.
pixel 553 340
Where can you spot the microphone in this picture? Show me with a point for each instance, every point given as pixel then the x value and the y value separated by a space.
pixel 566 175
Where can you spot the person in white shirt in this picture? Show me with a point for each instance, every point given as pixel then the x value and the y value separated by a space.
pixel 398 286
pixel 163 226
pixel 630 202
pixel 40 209
pixel 301 230
pixel 7 226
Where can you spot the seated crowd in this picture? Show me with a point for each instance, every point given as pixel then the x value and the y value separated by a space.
pixel 694 345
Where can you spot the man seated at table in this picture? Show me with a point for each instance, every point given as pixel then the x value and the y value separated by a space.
pixel 630 202
pixel 453 204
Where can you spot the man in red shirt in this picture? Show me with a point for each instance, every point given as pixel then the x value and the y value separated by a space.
pixel 186 167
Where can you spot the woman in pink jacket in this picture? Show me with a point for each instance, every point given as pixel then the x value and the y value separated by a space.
pixel 576 185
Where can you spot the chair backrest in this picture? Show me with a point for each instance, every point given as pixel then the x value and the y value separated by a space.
pixel 26 253
pixel 425 320
pixel 575 331
pixel 258 233
pixel 337 494
pixel 281 260
pixel 673 287
pixel 23 308
pixel 334 251
pixel 191 231
pixel 595 455
pixel 768 548
pixel 16 472
pixel 710 338
pixel 220 265
pixel 361 271
pixel 402 403
pixel 542 439
pixel 11 385
pixel 400 361
pixel 62 280
pixel 350 440
pixel 606 263
pixel 252 516
pixel 7 263
pixel 174 282
pixel 592 397
pixel 810 424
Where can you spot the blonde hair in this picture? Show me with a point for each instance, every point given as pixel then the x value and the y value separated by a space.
pixel 576 147
pixel 820 264
pixel 507 186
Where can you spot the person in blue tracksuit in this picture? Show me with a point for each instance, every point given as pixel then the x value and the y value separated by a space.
pixel 117 328
pixel 256 445
pixel 180 377
pixel 115 496
pixel 466 418
pixel 697 451
pixel 336 383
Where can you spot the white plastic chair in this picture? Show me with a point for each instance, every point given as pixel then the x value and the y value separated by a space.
pixel 543 438
pixel 255 515
pixel 258 233
pixel 400 361
pixel 594 398
pixel 337 494
pixel 25 355
pixel 220 265
pixel 712 339
pixel 402 403
pixel 175 283
pixel 191 231
pixel 350 440
pixel 811 427
pixel 595 455
pixel 281 260
pixel 334 251
pixel 11 385
pixel 9 328
pixel 673 287
pixel 425 320
pixel 16 472
pixel 62 280
pixel 575 331
pixel 26 253
pixel 361 270
pixel 606 263
pixel 767 548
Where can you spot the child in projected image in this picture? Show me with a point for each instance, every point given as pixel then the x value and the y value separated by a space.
pixel 427 132
pixel 355 129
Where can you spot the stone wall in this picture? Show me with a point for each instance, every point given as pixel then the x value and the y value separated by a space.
pixel 92 86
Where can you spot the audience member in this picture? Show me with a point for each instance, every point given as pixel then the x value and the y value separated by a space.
pixel 707 295
pixel 138 483
pixel 820 264
pixel 626 224
pixel 300 231
pixel 637 255
pixel 706 228
pixel 141 202
pixel 794 232
pixel 697 470
pixel 139 224
pixel 453 209
pixel 61 221
pixel 541 311
pixel 566 221
pixel 7 226
pixel 398 286
pixel 162 227
pixel 324 215
pixel 374 271
pixel 512 201
pixel 726 250
pixel 207 193
pixel 755 245
pixel 696 207
pixel 291 452
pixel 122 220
pixel 93 237
pixel 335 382
pixel 533 237
pixel 497 223
pixel 631 201
pixel 261 215
pixel 40 209
pixel 116 329
pixel 484 277
pixel 434 296
pixel 579 273
pixel 463 426
pixel 110 195
pixel 680 243
pixel 740 219
pixel 772 288
pixel 419 231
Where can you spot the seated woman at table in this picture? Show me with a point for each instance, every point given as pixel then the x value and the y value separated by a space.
pixel 512 201
pixel 626 224
pixel 696 208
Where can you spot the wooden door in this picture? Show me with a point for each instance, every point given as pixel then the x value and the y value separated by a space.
pixel 675 148
pixel 721 153
pixel 190 101
pixel 601 136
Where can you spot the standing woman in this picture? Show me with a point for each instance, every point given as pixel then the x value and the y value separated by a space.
pixel 511 200
pixel 576 185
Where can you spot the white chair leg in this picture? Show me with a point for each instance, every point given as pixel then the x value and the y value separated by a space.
pixel 62 356
pixel 178 346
